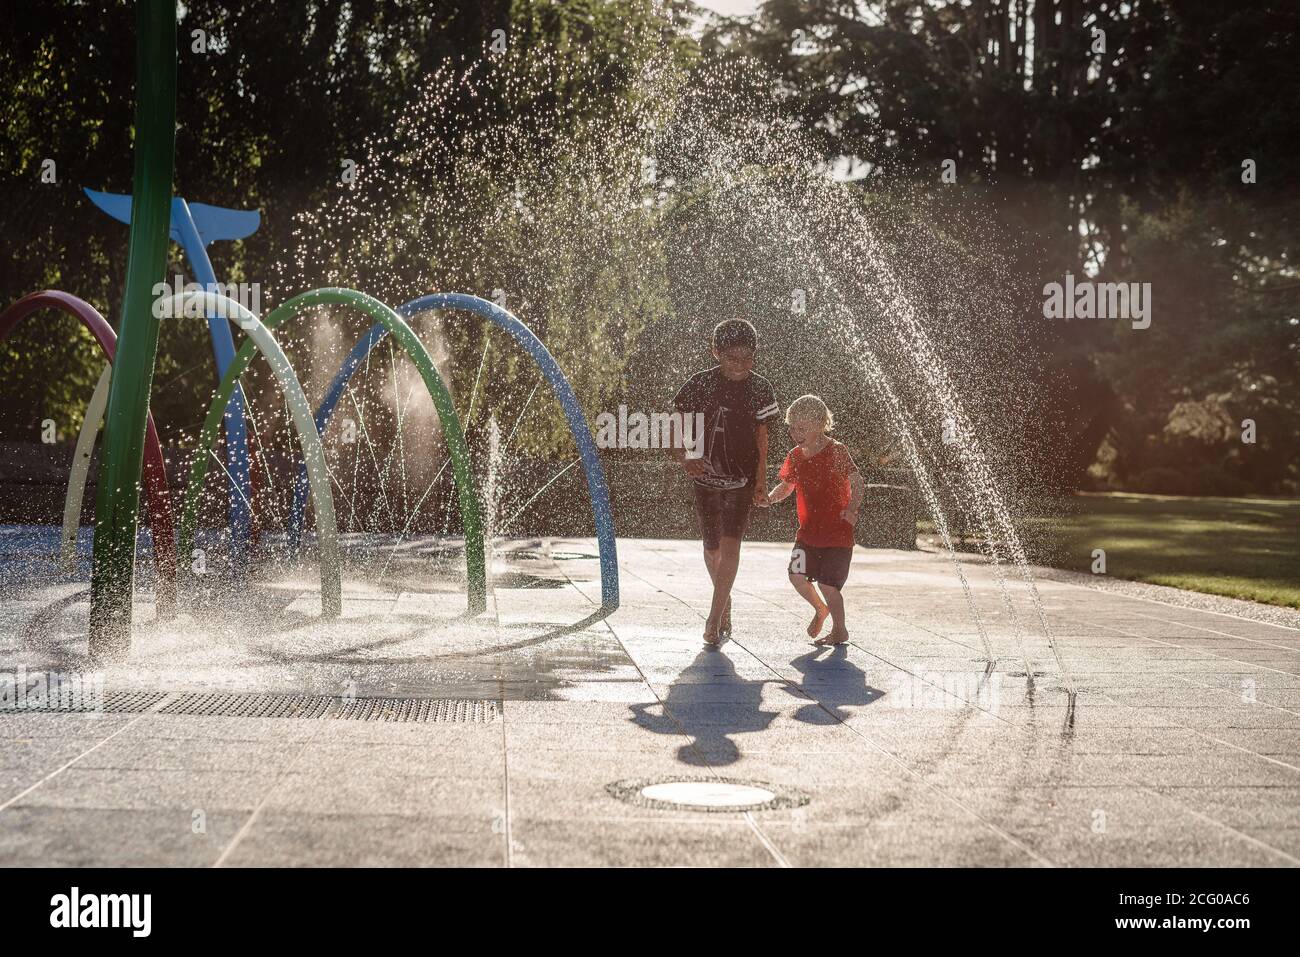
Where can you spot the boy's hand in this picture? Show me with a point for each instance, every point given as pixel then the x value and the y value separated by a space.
pixel 850 515
pixel 760 496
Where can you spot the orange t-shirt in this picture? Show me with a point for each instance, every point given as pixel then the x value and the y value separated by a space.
pixel 822 491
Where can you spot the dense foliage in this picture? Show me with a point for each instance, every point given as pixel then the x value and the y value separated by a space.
pixel 1102 139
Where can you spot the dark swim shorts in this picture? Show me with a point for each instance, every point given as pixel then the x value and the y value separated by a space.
pixel 722 512
pixel 830 566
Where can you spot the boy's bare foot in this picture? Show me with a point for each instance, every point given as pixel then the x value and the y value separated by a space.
pixel 837 637
pixel 712 633
pixel 819 619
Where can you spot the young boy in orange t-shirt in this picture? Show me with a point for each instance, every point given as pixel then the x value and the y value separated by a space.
pixel 829 488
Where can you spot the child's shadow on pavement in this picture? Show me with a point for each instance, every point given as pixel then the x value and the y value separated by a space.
pixel 709 702
pixel 834 681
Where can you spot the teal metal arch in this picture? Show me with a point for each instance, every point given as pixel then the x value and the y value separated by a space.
pixel 391 323
pixel 261 340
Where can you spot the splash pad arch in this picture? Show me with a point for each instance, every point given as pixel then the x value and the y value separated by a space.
pixel 389 322
pixel 261 340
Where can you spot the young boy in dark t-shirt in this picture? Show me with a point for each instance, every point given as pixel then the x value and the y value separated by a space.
pixel 729 466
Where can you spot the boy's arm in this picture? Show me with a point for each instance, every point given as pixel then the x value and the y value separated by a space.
pixel 857 488
pixel 694 465
pixel 779 493
pixel 785 486
pixel 766 409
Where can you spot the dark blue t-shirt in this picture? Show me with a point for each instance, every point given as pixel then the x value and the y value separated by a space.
pixel 732 409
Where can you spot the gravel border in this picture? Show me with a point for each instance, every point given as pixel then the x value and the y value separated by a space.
pixel 1165 594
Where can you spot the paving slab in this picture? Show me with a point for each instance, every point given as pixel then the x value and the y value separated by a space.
pixel 521 737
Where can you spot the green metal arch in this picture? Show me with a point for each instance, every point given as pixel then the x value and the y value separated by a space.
pixel 476 567
pixel 260 340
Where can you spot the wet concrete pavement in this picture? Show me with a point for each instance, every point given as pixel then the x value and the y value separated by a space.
pixel 1184 744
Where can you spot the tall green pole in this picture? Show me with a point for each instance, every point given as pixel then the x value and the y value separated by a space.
pixel 117 504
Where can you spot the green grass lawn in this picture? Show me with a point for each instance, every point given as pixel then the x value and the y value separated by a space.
pixel 1239 547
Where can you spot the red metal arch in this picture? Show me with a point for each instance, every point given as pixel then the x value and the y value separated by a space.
pixel 161 520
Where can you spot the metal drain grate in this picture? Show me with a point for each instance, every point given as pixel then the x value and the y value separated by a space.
pixel 133 702
pixel 222 705
pixel 250 706
pixel 120 702
pixel 417 709
pixel 421 710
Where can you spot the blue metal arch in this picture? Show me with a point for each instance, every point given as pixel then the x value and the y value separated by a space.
pixel 587 452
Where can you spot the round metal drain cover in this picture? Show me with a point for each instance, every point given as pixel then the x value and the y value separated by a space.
pixel 706 794
pixel 712 794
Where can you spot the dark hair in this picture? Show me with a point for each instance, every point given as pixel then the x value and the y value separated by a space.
pixel 734 332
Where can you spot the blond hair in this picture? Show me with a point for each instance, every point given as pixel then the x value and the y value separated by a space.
pixel 810 408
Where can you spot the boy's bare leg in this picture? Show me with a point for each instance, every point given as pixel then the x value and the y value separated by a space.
pixel 711 563
pixel 835 601
pixel 809 593
pixel 711 559
pixel 722 570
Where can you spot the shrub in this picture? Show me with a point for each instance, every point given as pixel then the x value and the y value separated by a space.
pixel 1162 480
